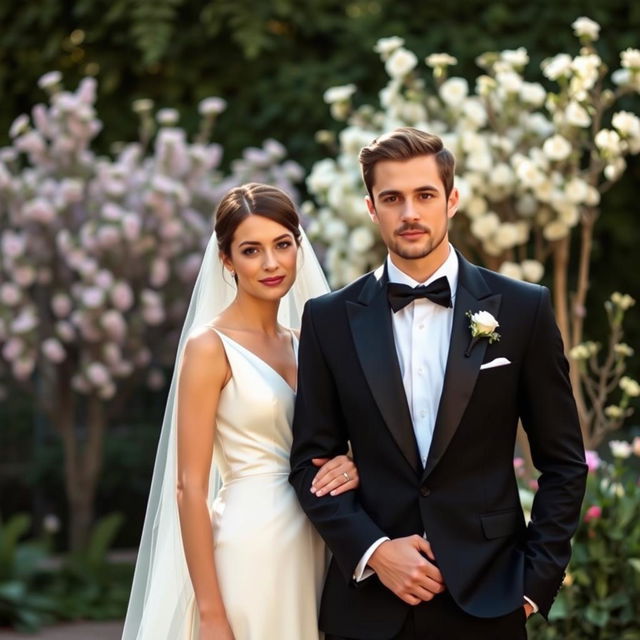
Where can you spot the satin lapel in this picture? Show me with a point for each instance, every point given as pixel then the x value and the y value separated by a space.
pixel 461 372
pixel 372 331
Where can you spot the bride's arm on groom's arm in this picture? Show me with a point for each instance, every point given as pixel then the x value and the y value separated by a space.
pixel 319 432
pixel 203 373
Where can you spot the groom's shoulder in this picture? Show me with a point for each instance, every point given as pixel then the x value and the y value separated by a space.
pixel 338 297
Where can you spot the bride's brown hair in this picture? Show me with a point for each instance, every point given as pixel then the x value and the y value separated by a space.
pixel 253 199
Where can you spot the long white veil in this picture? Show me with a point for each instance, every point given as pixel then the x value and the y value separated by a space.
pixel 162 601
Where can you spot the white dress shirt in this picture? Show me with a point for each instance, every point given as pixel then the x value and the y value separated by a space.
pixel 422 332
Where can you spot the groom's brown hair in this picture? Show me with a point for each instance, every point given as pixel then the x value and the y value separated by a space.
pixel 404 144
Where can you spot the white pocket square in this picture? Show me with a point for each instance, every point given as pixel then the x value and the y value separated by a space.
pixel 496 362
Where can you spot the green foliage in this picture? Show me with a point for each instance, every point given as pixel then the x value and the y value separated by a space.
pixel 88 586
pixel 22 604
pixel 601 596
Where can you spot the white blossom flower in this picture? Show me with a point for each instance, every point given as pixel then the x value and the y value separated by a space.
pixel 615 168
pixel 39 210
pixel 509 81
pixel 400 63
pixel 339 94
pixel 440 60
pixel 361 239
pixel 623 349
pixel 624 301
pixel 454 91
pixel 532 270
pixel 114 324
pixel 630 386
pixel 557 67
pixel 630 59
pixel 576 190
pixel 608 141
pixel 506 235
pixel 386 46
pixel 142 105
pixel 515 57
pixel 533 93
pixel 485 226
pixel 511 270
pixel 555 230
pixel 557 148
pixel 576 115
pixel 122 296
pixel 587 28
pixel 475 207
pixel 25 321
pixel 622 77
pixel 167 117
pixel 627 124
pixel 619 448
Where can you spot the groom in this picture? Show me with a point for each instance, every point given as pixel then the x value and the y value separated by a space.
pixel 434 545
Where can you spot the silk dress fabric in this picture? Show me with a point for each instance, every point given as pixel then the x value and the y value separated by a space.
pixel 269 559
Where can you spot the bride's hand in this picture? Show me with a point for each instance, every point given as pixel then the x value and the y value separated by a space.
pixel 336 476
pixel 218 629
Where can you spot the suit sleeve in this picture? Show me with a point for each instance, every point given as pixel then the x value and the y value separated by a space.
pixel 549 417
pixel 319 431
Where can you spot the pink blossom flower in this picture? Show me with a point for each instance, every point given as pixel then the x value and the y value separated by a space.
pixel 93 297
pixel 593 513
pixel 159 272
pixel 86 92
pixel 111 353
pixel 31 143
pixel 122 296
pixel 114 324
pixel 171 230
pixel 39 210
pixel 155 380
pixel 65 331
pixel 19 126
pixel 131 226
pixel 23 368
pixel 593 460
pixel 53 350
pixel 112 212
pixel 10 294
pixel 212 106
pixel 41 119
pixel 24 275
pixel 153 315
pixel 104 279
pixel 25 321
pixel 142 357
pixel 12 349
pixel 13 244
pixel 71 190
pixel 97 374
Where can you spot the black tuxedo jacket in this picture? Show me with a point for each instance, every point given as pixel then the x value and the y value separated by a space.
pixel 466 498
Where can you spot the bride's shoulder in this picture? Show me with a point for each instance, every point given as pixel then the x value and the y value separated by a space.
pixel 204 342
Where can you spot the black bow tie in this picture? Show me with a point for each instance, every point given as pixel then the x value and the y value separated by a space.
pixel 400 295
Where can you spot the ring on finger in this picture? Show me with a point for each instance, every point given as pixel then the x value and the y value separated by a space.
pixel 346 476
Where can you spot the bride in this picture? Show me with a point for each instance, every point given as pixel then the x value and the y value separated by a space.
pixel 226 551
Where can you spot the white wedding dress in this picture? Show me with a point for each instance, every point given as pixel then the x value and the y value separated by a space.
pixel 269 559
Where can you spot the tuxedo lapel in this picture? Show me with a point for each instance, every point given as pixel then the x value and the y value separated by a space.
pixel 461 371
pixel 372 331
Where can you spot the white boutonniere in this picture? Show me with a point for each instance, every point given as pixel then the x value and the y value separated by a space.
pixel 483 325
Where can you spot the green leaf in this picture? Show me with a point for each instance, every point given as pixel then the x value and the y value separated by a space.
pixel 597 616
pixel 635 563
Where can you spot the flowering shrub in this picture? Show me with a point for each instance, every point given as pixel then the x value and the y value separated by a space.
pixel 600 597
pixel 99 254
pixel 532 165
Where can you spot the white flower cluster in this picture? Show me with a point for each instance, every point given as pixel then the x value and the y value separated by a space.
pixel 99 255
pixel 519 151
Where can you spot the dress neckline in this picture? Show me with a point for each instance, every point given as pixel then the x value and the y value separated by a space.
pixel 262 360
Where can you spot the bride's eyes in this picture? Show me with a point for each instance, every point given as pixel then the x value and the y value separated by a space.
pixel 252 251
pixel 249 251
pixel 284 244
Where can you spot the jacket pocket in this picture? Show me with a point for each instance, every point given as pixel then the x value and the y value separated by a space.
pixel 503 523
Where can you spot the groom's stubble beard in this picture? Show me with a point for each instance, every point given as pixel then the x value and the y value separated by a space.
pixel 416 252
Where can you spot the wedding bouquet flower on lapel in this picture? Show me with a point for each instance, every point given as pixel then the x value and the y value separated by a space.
pixel 482 325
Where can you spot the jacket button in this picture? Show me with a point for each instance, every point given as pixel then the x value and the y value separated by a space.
pixel 425 491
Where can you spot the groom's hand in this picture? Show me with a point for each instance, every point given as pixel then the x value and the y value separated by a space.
pixel 402 567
